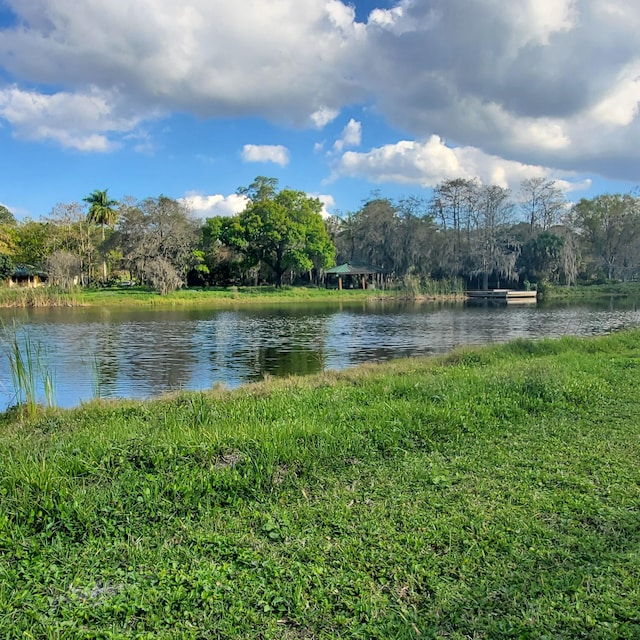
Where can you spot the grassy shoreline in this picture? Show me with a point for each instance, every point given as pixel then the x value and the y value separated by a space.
pixel 233 296
pixel 586 292
pixel 491 493
pixel 219 297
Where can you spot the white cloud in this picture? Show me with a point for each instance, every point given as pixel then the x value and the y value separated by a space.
pixel 351 136
pixel 205 206
pixel 620 106
pixel 277 60
pixel 341 15
pixel 430 162
pixel 543 82
pixel 532 81
pixel 77 121
pixel 323 117
pixel 538 20
pixel 266 153
pixel 328 202
pixel 570 187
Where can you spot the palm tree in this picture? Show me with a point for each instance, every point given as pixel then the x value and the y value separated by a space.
pixel 101 212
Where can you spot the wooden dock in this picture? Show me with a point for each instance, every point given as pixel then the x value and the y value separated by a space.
pixel 504 295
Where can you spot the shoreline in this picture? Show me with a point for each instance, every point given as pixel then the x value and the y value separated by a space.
pixel 224 297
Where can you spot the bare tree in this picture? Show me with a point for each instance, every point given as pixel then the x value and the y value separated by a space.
pixel 156 228
pixel 453 205
pixel 541 202
pixel 493 250
pixel 64 269
pixel 70 231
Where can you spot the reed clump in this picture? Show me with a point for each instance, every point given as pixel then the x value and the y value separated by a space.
pixel 24 297
pixel 29 370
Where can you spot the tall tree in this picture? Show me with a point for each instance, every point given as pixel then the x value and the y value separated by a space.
pixel 6 267
pixel 453 205
pixel 103 213
pixel 262 188
pixel 376 227
pixel 282 230
pixel 32 243
pixel 492 248
pixel 70 231
pixel 6 217
pixel 7 231
pixel 101 209
pixel 343 233
pixel 541 202
pixel 610 227
pixel 158 240
pixel 543 257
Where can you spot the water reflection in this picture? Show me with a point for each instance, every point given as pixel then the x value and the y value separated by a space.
pixel 141 353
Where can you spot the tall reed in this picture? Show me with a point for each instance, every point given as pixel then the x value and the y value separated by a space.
pixel 415 286
pixel 25 297
pixel 28 367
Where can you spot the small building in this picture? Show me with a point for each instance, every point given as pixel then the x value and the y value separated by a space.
pixel 26 275
pixel 357 277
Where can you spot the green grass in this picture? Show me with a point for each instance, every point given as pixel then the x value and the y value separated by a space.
pixel 582 292
pixel 222 296
pixel 214 297
pixel 492 493
pixel 411 287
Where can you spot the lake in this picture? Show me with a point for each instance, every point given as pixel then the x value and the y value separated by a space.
pixel 139 353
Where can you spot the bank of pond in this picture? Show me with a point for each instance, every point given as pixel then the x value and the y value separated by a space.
pixel 70 355
pixel 230 296
pixel 490 493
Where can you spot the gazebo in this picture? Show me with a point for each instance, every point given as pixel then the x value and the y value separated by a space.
pixel 366 276
pixel 26 275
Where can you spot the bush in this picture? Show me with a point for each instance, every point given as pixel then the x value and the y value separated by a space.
pixel 162 276
pixel 6 266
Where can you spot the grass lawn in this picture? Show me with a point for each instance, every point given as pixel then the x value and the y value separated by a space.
pixel 492 493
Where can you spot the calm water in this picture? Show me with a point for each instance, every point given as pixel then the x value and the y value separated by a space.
pixel 139 353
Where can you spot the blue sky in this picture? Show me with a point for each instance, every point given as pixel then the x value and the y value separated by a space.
pixel 194 99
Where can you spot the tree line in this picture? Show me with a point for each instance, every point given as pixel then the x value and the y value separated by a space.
pixel 483 234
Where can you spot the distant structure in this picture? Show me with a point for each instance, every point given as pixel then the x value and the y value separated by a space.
pixel 350 276
pixel 26 275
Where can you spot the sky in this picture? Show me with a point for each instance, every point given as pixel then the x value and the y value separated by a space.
pixel 194 99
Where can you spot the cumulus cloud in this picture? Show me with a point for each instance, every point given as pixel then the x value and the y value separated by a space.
pixel 529 81
pixel 432 161
pixel 328 202
pixel 323 117
pixel 81 121
pixel 351 136
pixel 209 206
pixel 266 153
pixel 620 105
pixel 278 60
pixel 538 82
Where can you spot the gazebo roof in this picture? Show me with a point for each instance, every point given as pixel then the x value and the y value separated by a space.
pixel 347 269
pixel 27 271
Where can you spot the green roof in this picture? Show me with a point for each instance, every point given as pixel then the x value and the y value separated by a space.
pixel 27 271
pixel 347 269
